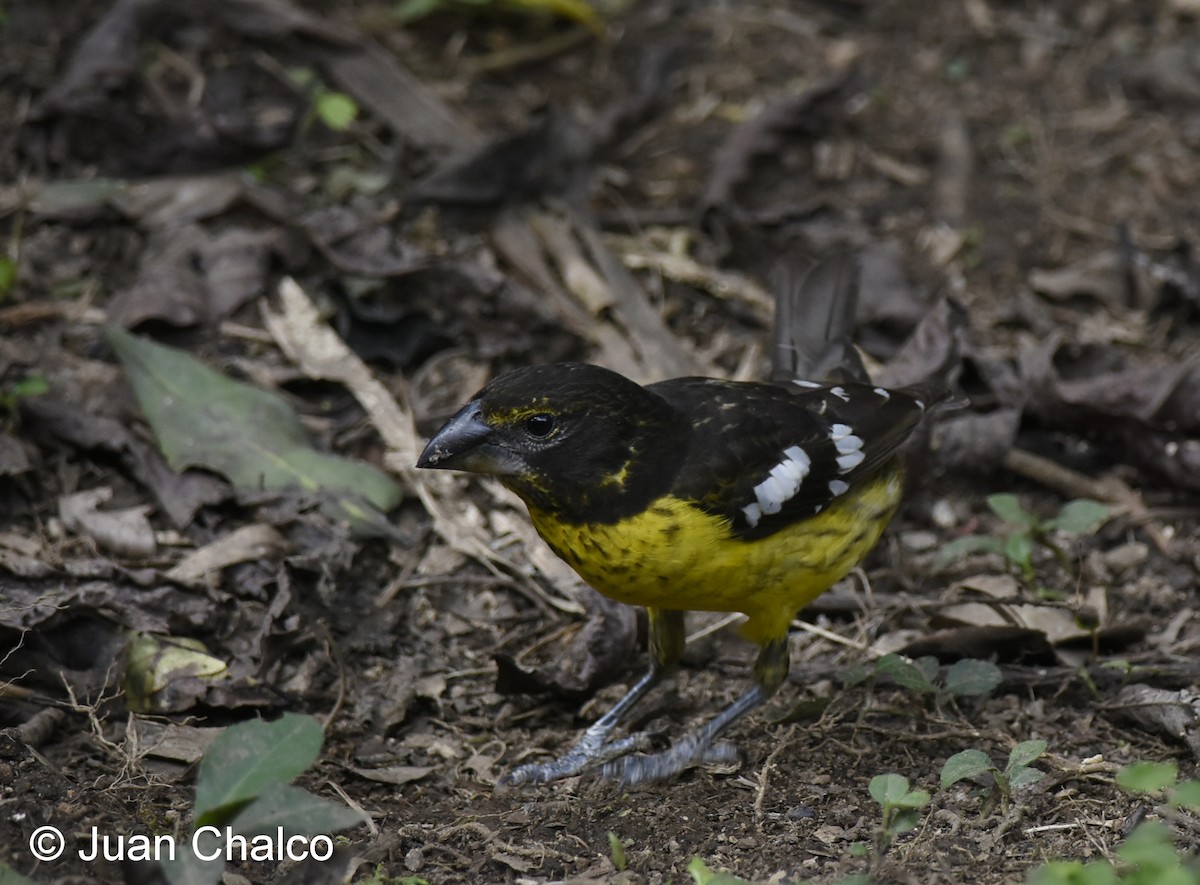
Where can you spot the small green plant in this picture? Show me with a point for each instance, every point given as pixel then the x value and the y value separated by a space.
pixel 1149 855
pixel 899 805
pixel 244 790
pixel 337 110
pixel 966 678
pixel 12 394
pixel 8 277
pixel 1017 773
pixel 702 875
pixel 1025 531
pixel 616 852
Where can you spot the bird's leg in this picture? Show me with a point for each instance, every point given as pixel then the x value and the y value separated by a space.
pixel 594 747
pixel 697 746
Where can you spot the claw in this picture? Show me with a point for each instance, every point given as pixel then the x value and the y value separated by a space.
pixel 584 756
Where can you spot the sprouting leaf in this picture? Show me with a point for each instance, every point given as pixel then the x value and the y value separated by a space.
pixel 1147 777
pixel 245 758
pixel 1150 845
pixel 965 546
pixel 1008 508
pixel 1024 777
pixel 971 676
pixel 1018 549
pixel 336 110
pixel 154 662
pixel 251 436
pixel 888 789
pixel 702 875
pixel 1024 753
pixel 905 672
pixel 1187 794
pixel 960 766
pixel 1080 517
pixel 616 851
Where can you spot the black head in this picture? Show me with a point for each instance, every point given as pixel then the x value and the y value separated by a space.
pixel 568 438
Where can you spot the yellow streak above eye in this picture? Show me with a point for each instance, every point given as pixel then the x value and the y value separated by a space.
pixel 520 413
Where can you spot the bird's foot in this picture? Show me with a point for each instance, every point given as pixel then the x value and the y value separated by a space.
pixel 692 750
pixel 592 751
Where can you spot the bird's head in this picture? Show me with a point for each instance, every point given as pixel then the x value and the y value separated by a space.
pixel 565 437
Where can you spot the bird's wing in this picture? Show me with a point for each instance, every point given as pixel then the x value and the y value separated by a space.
pixel 764 456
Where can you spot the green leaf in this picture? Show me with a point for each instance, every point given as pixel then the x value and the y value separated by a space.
pixel 1080 517
pixel 253 437
pixel 702 875
pixel 966 546
pixel 971 676
pixel 185 868
pixel 616 851
pixel 246 758
pixel 888 789
pixel 904 822
pixel 1009 509
pixel 154 662
pixel 1024 776
pixel 968 763
pixel 336 110
pixel 8 279
pixel 1147 777
pixel 1024 753
pixel 298 811
pixel 855 674
pixel 1072 872
pixel 913 799
pixel 905 673
pixel 1150 845
pixel 1018 549
pixel 1187 794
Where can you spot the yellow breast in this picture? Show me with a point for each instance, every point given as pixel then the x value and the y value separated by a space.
pixel 675 556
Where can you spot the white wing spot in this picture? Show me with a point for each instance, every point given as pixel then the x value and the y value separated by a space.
pixel 838 487
pixel 920 404
pixel 850 460
pixel 799 382
pixel 840 393
pixel 879 391
pixel 849 447
pixel 780 486
pixel 753 514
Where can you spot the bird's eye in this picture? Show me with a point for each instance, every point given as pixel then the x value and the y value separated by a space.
pixel 540 425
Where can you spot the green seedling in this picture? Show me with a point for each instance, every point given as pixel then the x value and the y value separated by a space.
pixel 702 875
pixel 1024 532
pixel 899 805
pixel 1147 857
pixel 1017 773
pixel 969 677
pixel 244 793
pixel 616 852
pixel 12 394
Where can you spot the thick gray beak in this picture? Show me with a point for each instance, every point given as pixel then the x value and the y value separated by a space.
pixel 457 438
pixel 463 444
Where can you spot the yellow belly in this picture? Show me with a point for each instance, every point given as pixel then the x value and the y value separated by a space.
pixel 675 556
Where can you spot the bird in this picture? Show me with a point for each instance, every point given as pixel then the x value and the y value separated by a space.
pixel 699 494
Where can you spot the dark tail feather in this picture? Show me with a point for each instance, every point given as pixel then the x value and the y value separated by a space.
pixel 814 320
